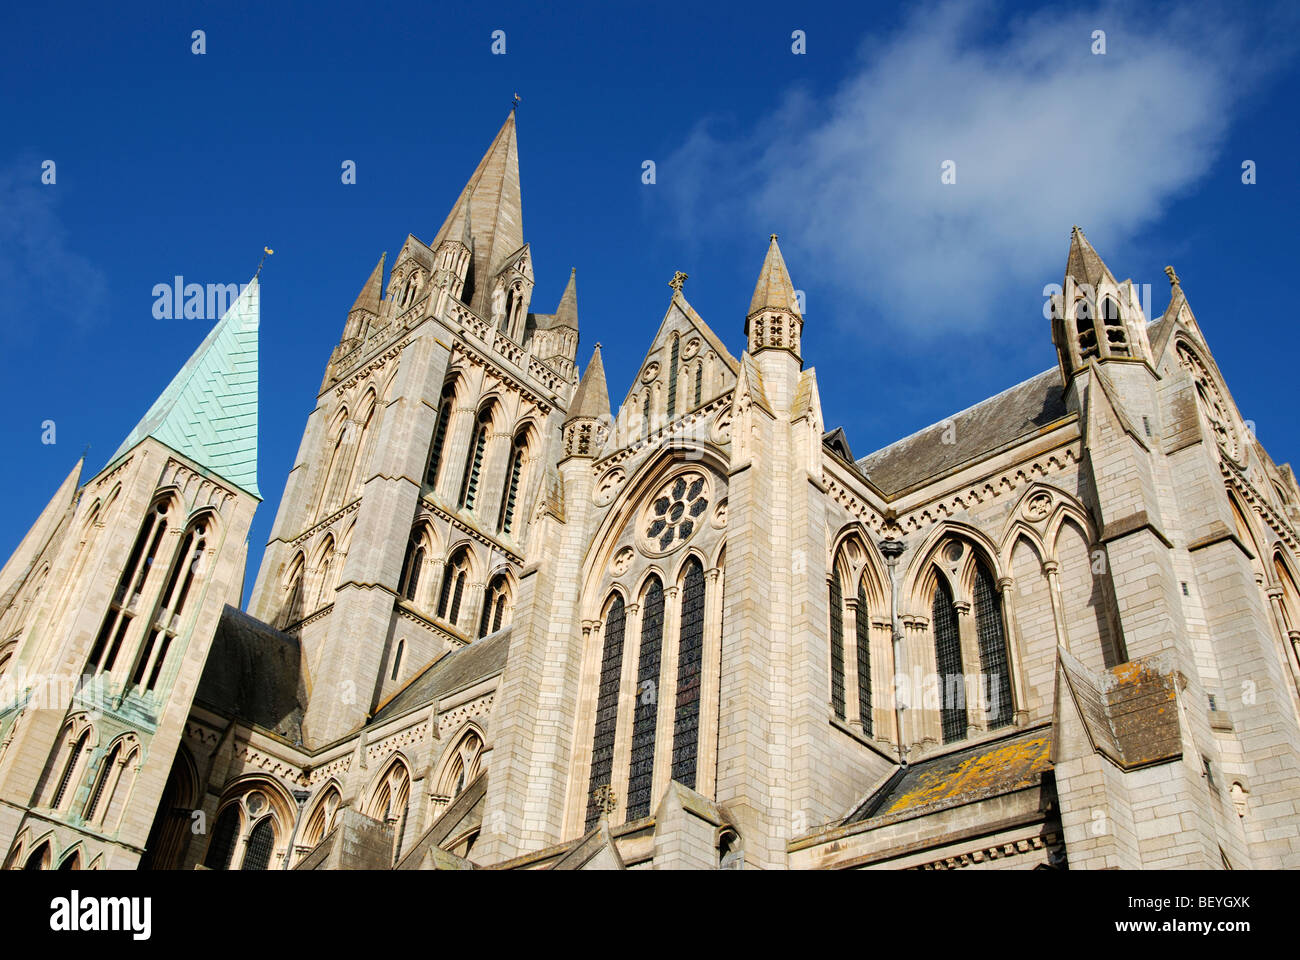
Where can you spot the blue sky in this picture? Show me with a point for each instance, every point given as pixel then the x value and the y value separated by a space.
pixel 922 298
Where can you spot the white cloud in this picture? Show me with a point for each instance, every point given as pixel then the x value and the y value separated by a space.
pixel 1044 135
pixel 44 280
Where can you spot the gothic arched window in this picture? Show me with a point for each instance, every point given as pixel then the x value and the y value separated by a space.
pixel 167 623
pixel 672 378
pixel 864 661
pixel 495 600
pixel 1114 327
pixel 699 381
pixel 71 771
pixel 322 819
pixel 292 611
pixel 690 660
pixel 993 648
pixel 474 467
pixel 130 588
pixel 222 845
pixel 412 564
pixel 397 658
pixel 514 476
pixel 645 717
pixel 440 434
pixel 454 578
pixel 1087 331
pixel 837 645
pixel 947 655
pixel 602 744
pixel 260 844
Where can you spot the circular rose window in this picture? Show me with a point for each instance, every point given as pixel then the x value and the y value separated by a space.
pixel 675 512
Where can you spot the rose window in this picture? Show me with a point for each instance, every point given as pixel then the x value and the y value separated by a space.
pixel 675 512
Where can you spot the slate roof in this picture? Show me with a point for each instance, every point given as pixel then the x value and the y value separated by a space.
pixel 253 673
pixel 209 410
pixel 985 770
pixel 1130 710
pixel 976 431
pixel 451 672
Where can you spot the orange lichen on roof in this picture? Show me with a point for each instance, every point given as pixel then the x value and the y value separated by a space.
pixel 1005 768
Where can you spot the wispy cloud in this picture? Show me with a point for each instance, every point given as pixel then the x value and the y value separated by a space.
pixel 1043 134
pixel 44 280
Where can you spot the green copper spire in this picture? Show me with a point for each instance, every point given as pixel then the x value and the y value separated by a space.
pixel 209 411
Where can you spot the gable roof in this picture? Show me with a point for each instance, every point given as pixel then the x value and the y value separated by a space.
pixel 452 671
pixel 987 426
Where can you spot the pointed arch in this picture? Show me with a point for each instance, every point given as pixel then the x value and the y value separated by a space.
pixel 947 655
pixel 442 421
pixel 323 816
pixel 291 610
pixel 646 710
pixel 496 605
pixel 484 425
pixel 515 481
pixel 690 662
pixel 336 447
pixel 390 797
pixel 323 574
pixel 614 617
pixel 455 582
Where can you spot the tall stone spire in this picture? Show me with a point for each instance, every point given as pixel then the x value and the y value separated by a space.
pixel 373 291
pixel 587 428
pixel 209 411
pixel 566 314
pixel 774 320
pixel 489 210
pixel 1084 264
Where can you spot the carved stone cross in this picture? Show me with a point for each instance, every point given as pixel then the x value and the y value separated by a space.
pixel 678 279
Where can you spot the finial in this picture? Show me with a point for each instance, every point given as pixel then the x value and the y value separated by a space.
pixel 605 799
pixel 1173 277
pixel 773 238
pixel 266 252
pixel 597 344
pixel 85 453
pixel 678 279
pixel 514 105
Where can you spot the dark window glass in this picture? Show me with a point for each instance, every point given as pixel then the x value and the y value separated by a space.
pixel 602 743
pixel 947 655
pixel 257 855
pixel 993 649
pixel 222 845
pixel 641 772
pixel 690 658
pixel 864 662
pixel 837 647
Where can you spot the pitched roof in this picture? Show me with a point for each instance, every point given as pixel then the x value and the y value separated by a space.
pixel 974 773
pixel 592 396
pixel 209 411
pixel 253 673
pixel 965 436
pixel 566 314
pixel 451 672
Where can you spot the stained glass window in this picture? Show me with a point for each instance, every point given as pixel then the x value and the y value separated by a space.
pixel 690 658
pixel 993 649
pixel 837 647
pixel 864 661
pixel 222 845
pixel 947 655
pixel 602 744
pixel 257 854
pixel 641 773
pixel 672 380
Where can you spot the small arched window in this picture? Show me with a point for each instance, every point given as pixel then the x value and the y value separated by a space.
pixel 699 381
pixel 514 478
pixel 325 576
pixel 474 467
pixel 495 600
pixel 71 771
pixel 292 611
pixel 439 434
pixel 947 655
pixel 397 658
pixel 1086 329
pixel 1116 338
pixel 105 774
pixel 39 859
pixel 454 578
pixel 412 564
pixel 260 844
pixel 222 845
pixel 672 376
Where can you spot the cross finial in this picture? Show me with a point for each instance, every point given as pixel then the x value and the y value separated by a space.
pixel 1173 277
pixel 773 238
pixel 514 104
pixel 266 252
pixel 678 279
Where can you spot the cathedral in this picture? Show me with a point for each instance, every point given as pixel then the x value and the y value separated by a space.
pixel 499 625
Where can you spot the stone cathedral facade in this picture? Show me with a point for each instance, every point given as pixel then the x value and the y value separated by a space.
pixel 500 625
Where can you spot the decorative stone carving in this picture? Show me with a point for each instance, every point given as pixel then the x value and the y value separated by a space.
pixel 720 431
pixel 622 560
pixel 608 485
pixel 650 372
pixel 1212 404
pixel 674 513
pixel 1038 507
